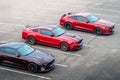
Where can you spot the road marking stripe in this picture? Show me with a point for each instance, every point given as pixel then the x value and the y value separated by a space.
pixel 61 65
pixel 59 51
pixel 20 72
pixel 9 32
pixel 90 36
pixel 104 9
pixel 89 45
pixel 11 24
pixel 71 54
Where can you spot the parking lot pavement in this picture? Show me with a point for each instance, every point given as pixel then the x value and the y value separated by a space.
pixel 77 65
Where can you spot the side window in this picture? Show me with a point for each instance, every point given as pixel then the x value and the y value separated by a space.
pixel 46 32
pixel 74 17
pixel 8 50
pixel 35 30
pixel 81 18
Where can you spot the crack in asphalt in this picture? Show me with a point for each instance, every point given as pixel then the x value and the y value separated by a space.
pixel 91 40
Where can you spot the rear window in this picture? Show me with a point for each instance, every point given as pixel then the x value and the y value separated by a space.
pixel 35 30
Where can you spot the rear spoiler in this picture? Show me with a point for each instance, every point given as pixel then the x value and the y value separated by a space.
pixel 66 14
pixel 29 26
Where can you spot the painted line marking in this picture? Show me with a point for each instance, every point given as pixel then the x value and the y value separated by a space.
pixel 104 9
pixel 9 32
pixel 4 42
pixel 90 36
pixel 20 72
pixel 71 54
pixel 11 24
pixel 61 65
pixel 89 45
pixel 59 51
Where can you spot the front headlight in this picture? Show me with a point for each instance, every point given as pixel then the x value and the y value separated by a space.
pixel 106 28
pixel 73 43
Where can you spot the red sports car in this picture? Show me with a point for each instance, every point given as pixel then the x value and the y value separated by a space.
pixel 87 22
pixel 52 35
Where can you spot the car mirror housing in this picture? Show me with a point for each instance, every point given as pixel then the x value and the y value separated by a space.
pixel 52 35
pixel 17 55
pixel 87 21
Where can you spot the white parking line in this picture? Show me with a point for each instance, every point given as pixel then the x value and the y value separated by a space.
pixel 9 32
pixel 108 5
pixel 90 36
pixel 61 65
pixel 11 24
pixel 60 51
pixel 89 45
pixel 110 10
pixel 71 54
pixel 20 72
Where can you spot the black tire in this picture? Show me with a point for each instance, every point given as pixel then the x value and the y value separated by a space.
pixel 64 46
pixel 32 67
pixel 98 31
pixel 68 26
pixel 31 40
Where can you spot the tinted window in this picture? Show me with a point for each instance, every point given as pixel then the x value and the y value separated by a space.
pixel 8 50
pixel 25 50
pixel 35 30
pixel 81 18
pixel 58 31
pixel 74 17
pixel 92 18
pixel 46 32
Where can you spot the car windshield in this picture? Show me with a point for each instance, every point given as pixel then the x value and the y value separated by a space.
pixel 58 31
pixel 92 18
pixel 25 50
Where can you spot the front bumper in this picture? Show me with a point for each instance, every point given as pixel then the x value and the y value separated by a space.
pixel 47 70
pixel 109 31
pixel 50 66
pixel 76 46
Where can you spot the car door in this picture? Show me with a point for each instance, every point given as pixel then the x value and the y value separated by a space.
pixel 10 56
pixel 48 38
pixel 82 23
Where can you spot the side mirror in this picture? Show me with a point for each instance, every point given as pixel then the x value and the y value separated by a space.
pixel 87 21
pixel 17 55
pixel 51 35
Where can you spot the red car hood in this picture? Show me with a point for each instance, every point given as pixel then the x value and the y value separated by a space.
pixel 104 23
pixel 70 37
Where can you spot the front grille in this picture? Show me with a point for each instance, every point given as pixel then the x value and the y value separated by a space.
pixel 50 64
pixel 112 27
pixel 80 41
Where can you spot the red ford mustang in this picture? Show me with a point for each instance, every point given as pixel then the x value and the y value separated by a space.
pixel 87 22
pixel 52 36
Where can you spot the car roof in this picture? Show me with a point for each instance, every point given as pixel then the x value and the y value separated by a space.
pixel 82 14
pixel 14 45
